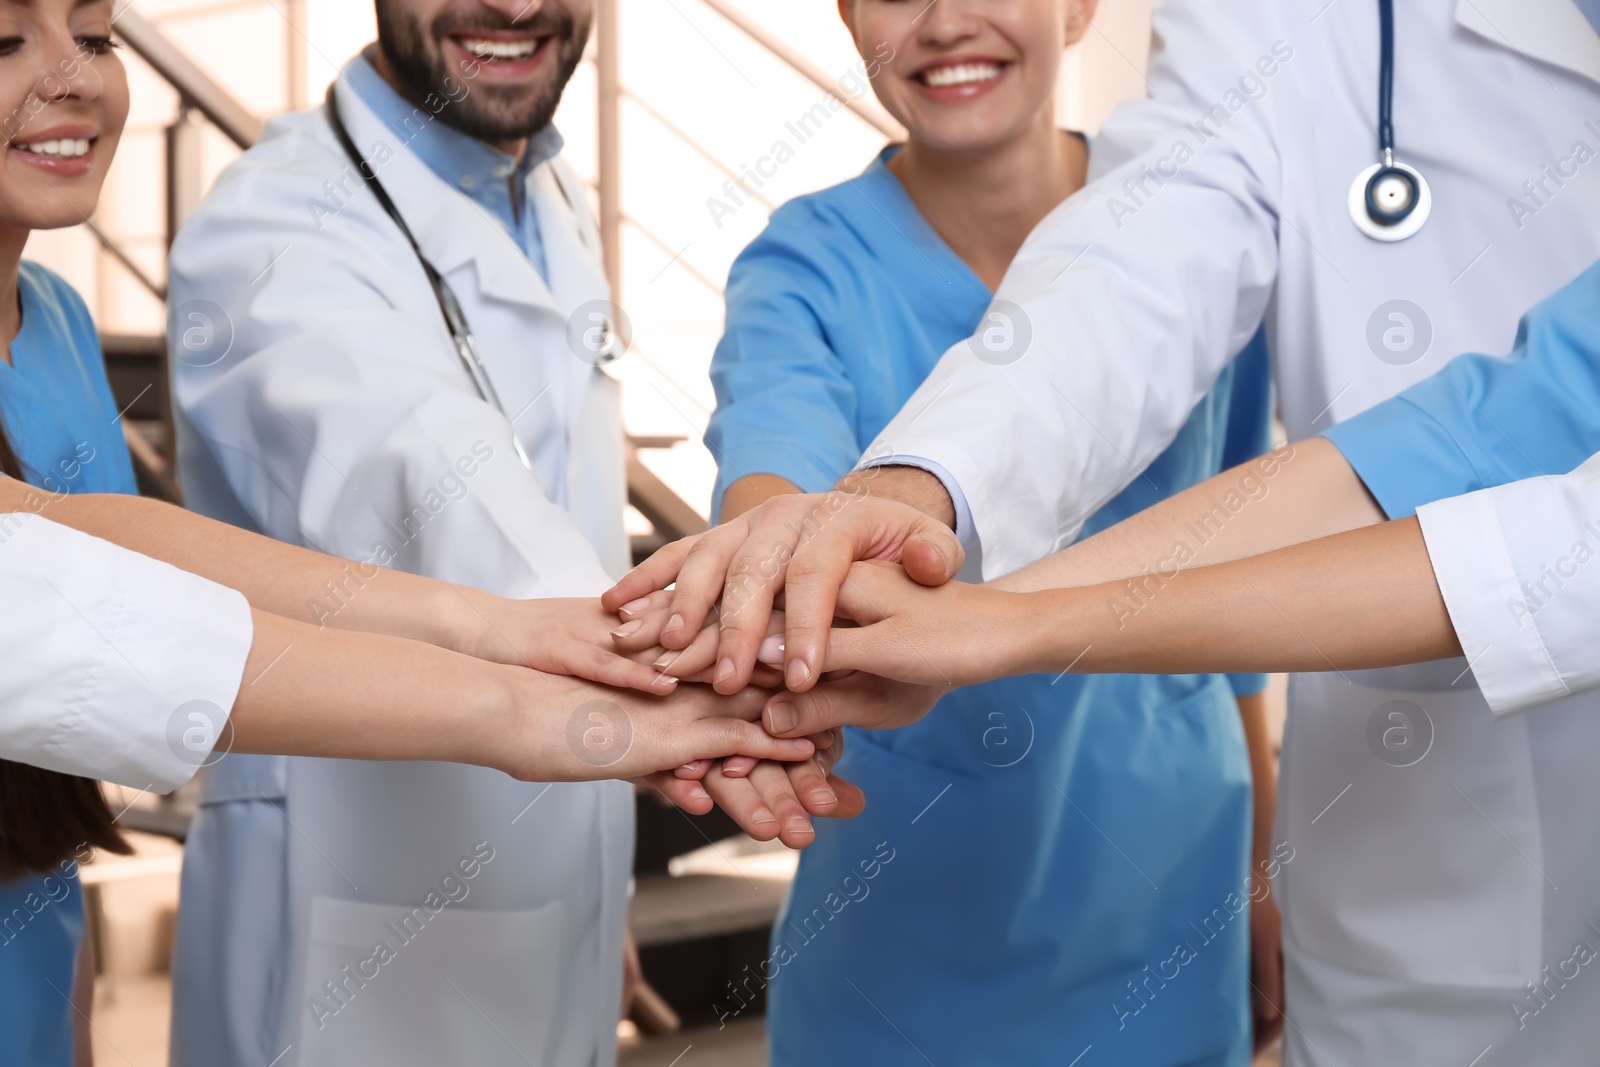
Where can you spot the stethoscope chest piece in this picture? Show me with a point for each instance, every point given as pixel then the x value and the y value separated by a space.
pixel 1390 201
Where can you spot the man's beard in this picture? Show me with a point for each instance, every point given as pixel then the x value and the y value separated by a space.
pixel 498 113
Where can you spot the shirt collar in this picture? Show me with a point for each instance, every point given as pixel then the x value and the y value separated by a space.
pixel 476 169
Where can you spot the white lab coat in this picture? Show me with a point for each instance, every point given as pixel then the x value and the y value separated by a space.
pixel 1423 898
pixel 323 403
pixel 107 655
pixel 1515 566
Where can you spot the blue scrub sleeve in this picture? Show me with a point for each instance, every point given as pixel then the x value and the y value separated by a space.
pixel 1483 421
pixel 785 404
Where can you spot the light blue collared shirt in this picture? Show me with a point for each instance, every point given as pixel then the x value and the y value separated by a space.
pixel 480 172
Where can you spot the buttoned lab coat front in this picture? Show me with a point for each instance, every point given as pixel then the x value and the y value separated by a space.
pixel 1421 898
pixel 322 402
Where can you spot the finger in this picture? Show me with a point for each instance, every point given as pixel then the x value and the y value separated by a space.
pixel 690 796
pixel 694 770
pixel 655 573
pixel 739 766
pixel 644 605
pixel 700 584
pixel 735 737
pixel 744 804
pixel 852 801
pixel 801 714
pixel 693 660
pixel 811 590
pixel 599 665
pixel 643 630
pixel 933 555
pixel 774 783
pixel 809 783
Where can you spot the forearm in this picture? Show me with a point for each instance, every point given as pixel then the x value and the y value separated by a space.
pixel 319 692
pixel 1263 774
pixel 283 579
pixel 1293 494
pixel 1361 599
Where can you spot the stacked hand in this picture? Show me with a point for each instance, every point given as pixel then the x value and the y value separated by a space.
pixel 773 581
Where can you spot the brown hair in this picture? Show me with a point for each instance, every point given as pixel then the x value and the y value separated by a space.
pixel 46 816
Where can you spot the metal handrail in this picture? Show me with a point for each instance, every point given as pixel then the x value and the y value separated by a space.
pixel 120 254
pixel 804 67
pixel 197 88
pixel 699 149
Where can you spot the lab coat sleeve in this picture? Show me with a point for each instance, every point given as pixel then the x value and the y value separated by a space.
pixel 785 401
pixel 1126 302
pixel 332 414
pixel 1519 568
pixel 108 656
pixel 1483 421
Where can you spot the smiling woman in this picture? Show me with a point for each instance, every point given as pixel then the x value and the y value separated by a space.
pixel 64 96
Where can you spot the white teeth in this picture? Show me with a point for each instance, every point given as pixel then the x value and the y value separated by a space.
pixel 64 149
pixel 484 48
pixel 961 74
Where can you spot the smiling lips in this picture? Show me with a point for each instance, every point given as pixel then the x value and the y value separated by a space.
pixel 960 74
pixel 66 152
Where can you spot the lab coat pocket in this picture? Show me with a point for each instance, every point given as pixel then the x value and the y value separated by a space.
pixel 1415 826
pixel 391 984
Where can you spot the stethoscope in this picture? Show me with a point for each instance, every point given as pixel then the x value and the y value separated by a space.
pixel 455 319
pixel 1389 201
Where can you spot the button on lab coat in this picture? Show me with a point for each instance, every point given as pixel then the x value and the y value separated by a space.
pixel 103 649
pixel 1423 898
pixel 323 403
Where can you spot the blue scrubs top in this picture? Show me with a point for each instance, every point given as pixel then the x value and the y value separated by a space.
pixel 59 416
pixel 1485 420
pixel 1044 863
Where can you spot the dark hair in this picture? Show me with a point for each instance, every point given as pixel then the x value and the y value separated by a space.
pixel 46 816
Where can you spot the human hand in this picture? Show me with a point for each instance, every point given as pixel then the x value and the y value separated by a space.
pixel 557 635
pixel 563 729
pixel 958 634
pixel 770 799
pixel 1266 963
pixel 799 546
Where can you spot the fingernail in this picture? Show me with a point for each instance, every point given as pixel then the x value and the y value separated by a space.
pixel 691 767
pixel 797 674
pixel 633 607
pixel 824 795
pixel 674 623
pixel 699 794
pixel 782 717
pixel 628 629
pixel 771 650
pixel 725 670
pixel 667 680
pixel 761 816
pixel 667 659
pixel 799 824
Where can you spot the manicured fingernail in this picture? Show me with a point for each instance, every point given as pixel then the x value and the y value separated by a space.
pixel 797 674
pixel 782 717
pixel 725 670
pixel 690 767
pixel 674 623
pixel 799 824
pixel 628 629
pixel 633 607
pixel 762 816
pixel 699 794
pixel 771 650
pixel 667 659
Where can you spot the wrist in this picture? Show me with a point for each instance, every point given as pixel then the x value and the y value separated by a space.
pixel 912 486
pixel 1056 636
